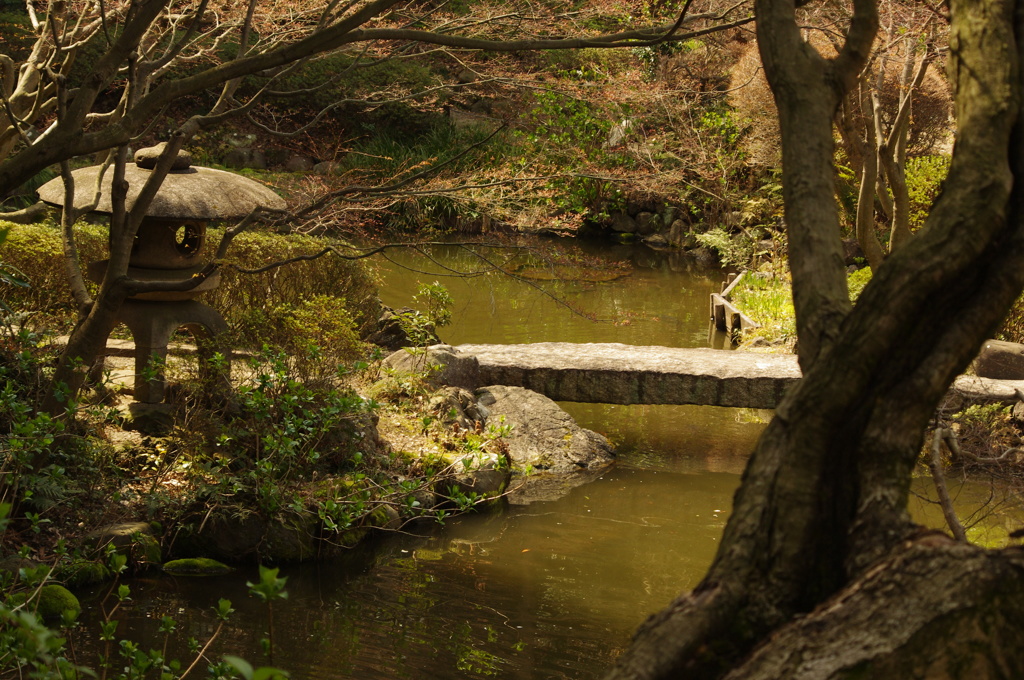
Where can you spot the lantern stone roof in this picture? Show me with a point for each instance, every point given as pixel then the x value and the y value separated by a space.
pixel 187 193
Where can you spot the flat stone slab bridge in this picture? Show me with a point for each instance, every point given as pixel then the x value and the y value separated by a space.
pixel 613 373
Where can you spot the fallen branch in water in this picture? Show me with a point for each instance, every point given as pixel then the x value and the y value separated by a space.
pixel 935 465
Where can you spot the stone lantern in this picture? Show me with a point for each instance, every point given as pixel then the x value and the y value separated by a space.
pixel 169 246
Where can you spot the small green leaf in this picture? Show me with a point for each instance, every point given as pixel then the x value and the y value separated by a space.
pixel 223 609
pixel 268 673
pixel 243 667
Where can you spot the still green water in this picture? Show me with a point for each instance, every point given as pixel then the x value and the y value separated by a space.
pixel 553 589
pixel 658 299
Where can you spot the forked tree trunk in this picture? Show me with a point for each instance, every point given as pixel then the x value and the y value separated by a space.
pixel 821 511
pixel 867 236
pixel 86 342
pixel 893 152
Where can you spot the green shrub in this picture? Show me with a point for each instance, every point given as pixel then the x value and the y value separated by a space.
pixel 721 122
pixel 736 250
pixel 293 284
pixel 36 250
pixel 564 126
pixel 420 213
pixel 388 153
pixel 856 282
pixel 280 431
pixel 317 335
pixel 768 301
pixel 312 310
pixel 336 76
pixel 421 326
pixel 47 461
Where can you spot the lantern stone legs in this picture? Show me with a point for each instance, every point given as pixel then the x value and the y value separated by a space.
pixel 152 324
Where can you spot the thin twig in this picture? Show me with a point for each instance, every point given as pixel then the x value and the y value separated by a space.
pixel 202 652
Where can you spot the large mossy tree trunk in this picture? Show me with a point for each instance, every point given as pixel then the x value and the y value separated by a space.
pixel 820 523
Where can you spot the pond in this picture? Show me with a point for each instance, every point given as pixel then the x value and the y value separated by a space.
pixel 553 589
pixel 628 294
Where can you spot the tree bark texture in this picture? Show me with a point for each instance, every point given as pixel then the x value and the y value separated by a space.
pixel 937 610
pixel 893 151
pixel 822 504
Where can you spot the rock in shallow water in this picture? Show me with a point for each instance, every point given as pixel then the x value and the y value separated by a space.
pixel 543 436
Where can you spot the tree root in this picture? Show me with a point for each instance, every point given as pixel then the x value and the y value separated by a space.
pixel 690 638
pixel 937 609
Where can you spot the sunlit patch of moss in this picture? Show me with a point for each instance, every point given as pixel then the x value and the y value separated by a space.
pixel 82 573
pixel 768 300
pixel 856 282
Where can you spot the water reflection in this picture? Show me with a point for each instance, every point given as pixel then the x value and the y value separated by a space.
pixel 662 299
pixel 547 590
pixel 691 439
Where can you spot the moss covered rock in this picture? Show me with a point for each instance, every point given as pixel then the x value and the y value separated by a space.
pixel 83 573
pixel 385 517
pixel 54 600
pixel 203 566
pixel 233 537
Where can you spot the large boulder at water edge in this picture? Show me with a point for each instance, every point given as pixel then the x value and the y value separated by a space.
pixel 438 364
pixel 232 536
pixel 1000 360
pixel 622 223
pixel 542 435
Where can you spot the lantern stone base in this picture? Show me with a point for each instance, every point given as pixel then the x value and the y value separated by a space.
pixel 156 420
pixel 152 324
